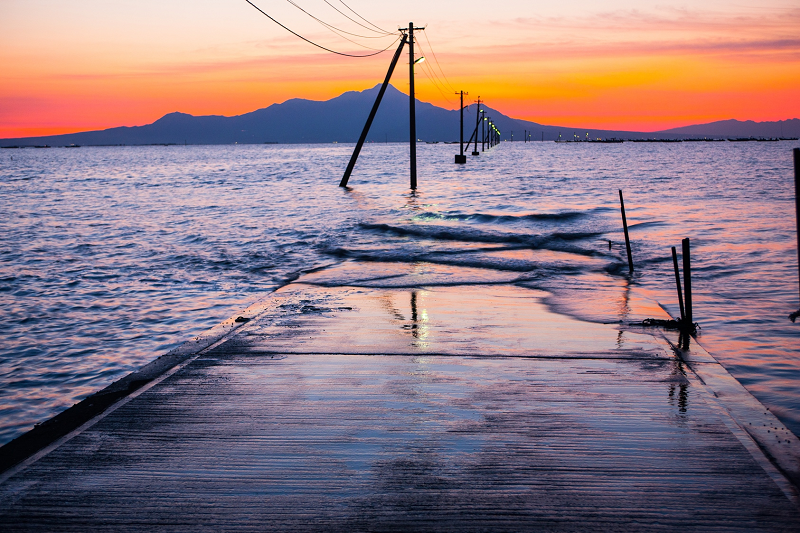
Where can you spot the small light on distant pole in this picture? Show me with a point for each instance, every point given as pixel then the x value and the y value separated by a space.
pixel 419 60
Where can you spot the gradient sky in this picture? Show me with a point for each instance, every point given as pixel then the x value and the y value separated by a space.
pixel 619 64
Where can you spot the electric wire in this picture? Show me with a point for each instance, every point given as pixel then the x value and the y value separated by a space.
pixel 435 78
pixel 355 21
pixel 312 42
pixel 437 62
pixel 362 18
pixel 433 81
pixel 429 74
pixel 438 88
pixel 335 29
pixel 431 69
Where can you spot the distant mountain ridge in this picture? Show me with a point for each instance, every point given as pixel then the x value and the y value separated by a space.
pixel 342 118
pixel 739 128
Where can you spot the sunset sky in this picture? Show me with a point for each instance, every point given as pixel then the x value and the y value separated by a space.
pixel 619 64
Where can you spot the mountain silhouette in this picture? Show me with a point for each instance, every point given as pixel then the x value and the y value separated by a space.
pixel 739 128
pixel 339 119
pixel 342 118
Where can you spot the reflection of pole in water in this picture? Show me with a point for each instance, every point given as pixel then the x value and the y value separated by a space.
pixel 683 388
pixel 624 309
pixel 414 317
pixel 624 306
pixel 683 340
pixel 411 201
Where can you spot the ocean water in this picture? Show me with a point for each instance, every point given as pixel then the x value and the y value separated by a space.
pixel 111 256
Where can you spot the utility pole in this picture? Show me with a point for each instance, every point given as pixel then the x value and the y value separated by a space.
pixel 461 159
pixel 477 123
pixel 412 118
pixel 412 115
pixel 483 130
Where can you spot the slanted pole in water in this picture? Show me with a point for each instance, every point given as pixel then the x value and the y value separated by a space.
pixel 625 227
pixel 678 283
pixel 365 131
pixel 687 284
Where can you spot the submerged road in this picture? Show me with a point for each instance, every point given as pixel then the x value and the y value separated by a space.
pixel 419 406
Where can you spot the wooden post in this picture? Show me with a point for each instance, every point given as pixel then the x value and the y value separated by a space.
pixel 625 227
pixel 687 284
pixel 678 283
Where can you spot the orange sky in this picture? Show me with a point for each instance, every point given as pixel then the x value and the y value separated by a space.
pixel 619 64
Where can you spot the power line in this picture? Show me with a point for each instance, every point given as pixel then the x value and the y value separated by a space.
pixel 312 42
pixel 437 78
pixel 355 21
pixel 436 85
pixel 362 18
pixel 334 28
pixel 437 62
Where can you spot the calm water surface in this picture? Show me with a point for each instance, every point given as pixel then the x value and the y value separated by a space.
pixel 110 256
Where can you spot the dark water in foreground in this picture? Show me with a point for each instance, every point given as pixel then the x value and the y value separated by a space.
pixel 112 256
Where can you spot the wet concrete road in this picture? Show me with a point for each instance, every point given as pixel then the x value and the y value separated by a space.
pixel 431 409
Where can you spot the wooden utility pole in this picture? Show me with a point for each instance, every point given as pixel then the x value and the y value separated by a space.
pixel 461 159
pixel 483 130
pixel 412 115
pixel 477 123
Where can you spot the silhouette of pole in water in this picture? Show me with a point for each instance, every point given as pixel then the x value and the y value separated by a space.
pixel 477 123
pixel 371 117
pixel 796 153
pixel 461 159
pixel 678 283
pixel 483 131
pixel 687 284
pixel 412 110
pixel 625 227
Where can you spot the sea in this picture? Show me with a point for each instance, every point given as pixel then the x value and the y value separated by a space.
pixel 111 256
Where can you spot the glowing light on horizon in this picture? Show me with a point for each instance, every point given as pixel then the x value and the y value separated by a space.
pixel 97 65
